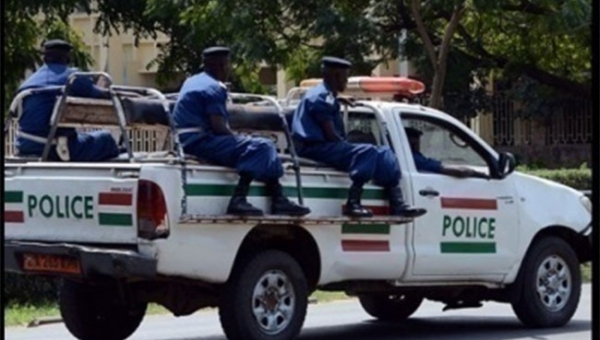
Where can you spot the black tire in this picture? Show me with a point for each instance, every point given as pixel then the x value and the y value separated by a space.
pixel 97 313
pixel 390 308
pixel 531 306
pixel 238 298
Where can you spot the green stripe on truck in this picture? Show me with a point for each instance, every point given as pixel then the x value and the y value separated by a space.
pixel 468 247
pixel 13 197
pixel 259 191
pixel 114 219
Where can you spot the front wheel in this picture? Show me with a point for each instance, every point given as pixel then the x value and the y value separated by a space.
pixel 265 299
pixel 550 281
pixel 390 308
pixel 97 313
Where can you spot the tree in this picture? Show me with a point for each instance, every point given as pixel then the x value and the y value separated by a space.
pixel 438 59
pixel 547 41
pixel 455 43
pixel 272 32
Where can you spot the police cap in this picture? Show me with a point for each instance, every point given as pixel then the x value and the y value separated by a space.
pixel 57 44
pixel 412 132
pixel 216 51
pixel 335 62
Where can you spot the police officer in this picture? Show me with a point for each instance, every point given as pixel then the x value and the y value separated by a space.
pixel 34 123
pixel 426 164
pixel 201 118
pixel 318 130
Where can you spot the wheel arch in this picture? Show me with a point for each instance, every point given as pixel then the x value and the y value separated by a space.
pixel 293 240
pixel 577 241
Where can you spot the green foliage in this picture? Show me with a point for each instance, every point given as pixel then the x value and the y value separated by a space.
pixel 580 179
pixel 543 42
pixel 543 49
pixel 34 290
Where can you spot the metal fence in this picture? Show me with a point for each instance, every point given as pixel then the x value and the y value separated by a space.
pixel 570 123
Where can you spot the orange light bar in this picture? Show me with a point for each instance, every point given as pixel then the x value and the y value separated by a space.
pixel 387 84
pixel 391 85
pixel 310 82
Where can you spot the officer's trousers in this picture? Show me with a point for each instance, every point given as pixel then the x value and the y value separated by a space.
pixel 255 156
pixel 95 146
pixel 363 162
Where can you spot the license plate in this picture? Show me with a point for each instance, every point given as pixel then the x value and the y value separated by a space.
pixel 51 263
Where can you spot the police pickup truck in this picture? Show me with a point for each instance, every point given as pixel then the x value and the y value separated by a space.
pixel 151 226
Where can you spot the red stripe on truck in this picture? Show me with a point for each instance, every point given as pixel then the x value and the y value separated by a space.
pixel 469 203
pixel 112 198
pixel 14 216
pixel 365 245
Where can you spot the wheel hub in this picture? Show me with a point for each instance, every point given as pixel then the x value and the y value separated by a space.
pixel 273 302
pixel 554 284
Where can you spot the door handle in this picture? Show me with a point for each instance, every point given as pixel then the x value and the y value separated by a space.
pixel 429 192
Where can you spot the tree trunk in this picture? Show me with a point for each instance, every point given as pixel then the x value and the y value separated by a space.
pixel 437 85
pixel 438 60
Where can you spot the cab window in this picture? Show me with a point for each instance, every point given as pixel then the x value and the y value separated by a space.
pixel 362 127
pixel 445 145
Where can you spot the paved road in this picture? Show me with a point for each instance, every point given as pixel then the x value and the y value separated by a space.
pixel 346 320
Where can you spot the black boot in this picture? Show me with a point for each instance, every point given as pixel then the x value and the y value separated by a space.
pixel 399 208
pixel 281 205
pixel 353 207
pixel 238 204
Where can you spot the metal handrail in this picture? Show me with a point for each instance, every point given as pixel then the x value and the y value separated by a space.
pixel 286 130
pixel 58 111
pixel 380 119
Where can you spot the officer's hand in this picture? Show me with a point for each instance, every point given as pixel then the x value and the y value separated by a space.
pixel 347 100
pixel 477 174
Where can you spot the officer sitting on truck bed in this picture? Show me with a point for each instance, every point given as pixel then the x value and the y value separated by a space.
pixel 202 120
pixel 425 164
pixel 34 123
pixel 318 130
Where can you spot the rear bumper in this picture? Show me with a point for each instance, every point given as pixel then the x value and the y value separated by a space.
pixel 93 261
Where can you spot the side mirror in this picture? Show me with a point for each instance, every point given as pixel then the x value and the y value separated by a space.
pixel 506 164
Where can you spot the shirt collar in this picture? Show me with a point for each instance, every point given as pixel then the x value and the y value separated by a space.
pixel 329 89
pixel 222 84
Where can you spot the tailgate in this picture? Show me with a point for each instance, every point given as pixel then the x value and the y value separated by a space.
pixel 71 202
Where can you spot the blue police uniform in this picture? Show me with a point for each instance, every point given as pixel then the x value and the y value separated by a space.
pixel 37 110
pixel 426 164
pixel 202 96
pixel 363 162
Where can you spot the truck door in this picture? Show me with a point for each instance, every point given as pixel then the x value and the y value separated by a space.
pixel 471 225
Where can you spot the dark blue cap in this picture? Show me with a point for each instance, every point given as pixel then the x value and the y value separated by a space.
pixel 336 62
pixel 57 44
pixel 216 51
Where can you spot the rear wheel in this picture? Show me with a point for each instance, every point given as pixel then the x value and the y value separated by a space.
pixel 97 312
pixel 265 299
pixel 390 308
pixel 550 280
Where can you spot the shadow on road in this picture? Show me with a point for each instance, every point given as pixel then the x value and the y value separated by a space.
pixel 463 328
pixel 455 328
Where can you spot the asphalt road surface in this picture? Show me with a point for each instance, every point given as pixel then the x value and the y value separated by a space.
pixel 346 320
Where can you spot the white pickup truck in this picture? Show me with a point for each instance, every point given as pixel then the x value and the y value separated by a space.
pixel 150 227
